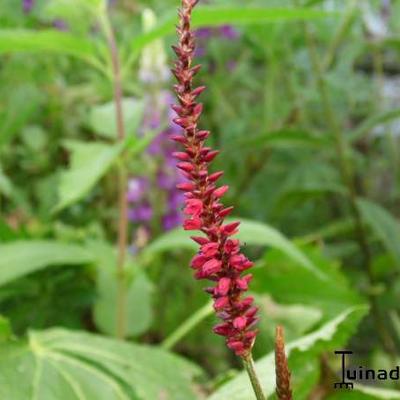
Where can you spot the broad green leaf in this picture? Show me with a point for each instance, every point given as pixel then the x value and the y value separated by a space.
pixel 63 365
pixel 297 318
pixel 24 257
pixel 139 313
pixel 89 162
pixel 250 233
pixel 103 121
pixel 237 15
pixel 385 226
pixel 52 41
pixel 281 278
pixel 306 349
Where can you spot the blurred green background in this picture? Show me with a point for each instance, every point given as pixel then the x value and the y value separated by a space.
pixel 303 101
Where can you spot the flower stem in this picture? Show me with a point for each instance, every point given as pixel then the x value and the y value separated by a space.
pixel 248 363
pixel 122 180
pixel 187 326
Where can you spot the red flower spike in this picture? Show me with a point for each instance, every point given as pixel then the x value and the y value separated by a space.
pixel 215 176
pixel 219 258
pixel 221 303
pixel 186 186
pixel 198 91
pixel 225 212
pixel 202 135
pixel 230 229
pixel 223 329
pixel 240 323
pixel 223 286
pixel 185 166
pixel 192 224
pixel 211 155
pixel 180 155
pixel 221 191
pixel 198 261
pixel 212 266
pixel 179 139
pixel 193 207
pixel 210 249
pixel 200 240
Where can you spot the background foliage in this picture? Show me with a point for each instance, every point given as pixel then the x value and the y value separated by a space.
pixel 303 101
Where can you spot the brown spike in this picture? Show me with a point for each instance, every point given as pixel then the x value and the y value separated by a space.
pixel 283 390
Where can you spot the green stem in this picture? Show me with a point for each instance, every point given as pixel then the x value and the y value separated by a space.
pixel 379 73
pixel 187 326
pixel 122 179
pixel 251 371
pixel 340 34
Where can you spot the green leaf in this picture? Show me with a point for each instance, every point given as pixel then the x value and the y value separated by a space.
pixel 385 226
pixel 330 336
pixel 6 187
pixel 24 257
pixel 371 122
pixel 51 41
pixel 18 108
pixel 139 312
pixel 5 329
pixel 297 318
pixel 89 162
pixel 237 15
pixel 63 365
pixel 103 121
pixel 308 180
pixel 362 392
pixel 280 277
pixel 284 139
pixel 250 233
pixel 79 15
pixel 215 16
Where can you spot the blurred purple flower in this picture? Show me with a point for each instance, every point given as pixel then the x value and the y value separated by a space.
pixel 200 51
pixel 172 220
pixel 229 32
pixel 204 33
pixel 27 5
pixel 174 201
pixel 166 180
pixel 60 25
pixel 231 65
pixel 137 188
pixel 141 213
pixel 166 176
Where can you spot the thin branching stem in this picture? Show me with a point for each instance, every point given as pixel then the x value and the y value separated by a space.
pixel 122 181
